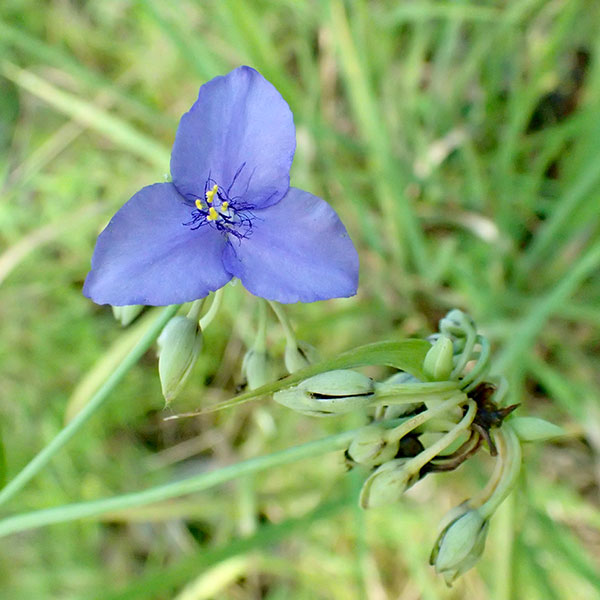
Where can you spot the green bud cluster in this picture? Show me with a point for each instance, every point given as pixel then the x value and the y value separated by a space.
pixel 419 425
pixel 429 425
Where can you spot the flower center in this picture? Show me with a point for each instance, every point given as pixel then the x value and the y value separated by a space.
pixel 217 209
pixel 222 212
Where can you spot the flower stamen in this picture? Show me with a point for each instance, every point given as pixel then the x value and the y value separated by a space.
pixel 211 193
pixel 228 214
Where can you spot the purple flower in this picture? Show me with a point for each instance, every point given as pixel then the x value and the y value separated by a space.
pixel 229 212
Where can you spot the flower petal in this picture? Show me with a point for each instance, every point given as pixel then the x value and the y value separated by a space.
pixel 147 256
pixel 240 125
pixel 298 250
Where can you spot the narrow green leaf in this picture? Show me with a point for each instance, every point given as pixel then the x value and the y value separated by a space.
pixel 158 582
pixel 82 111
pixel 53 54
pixel 407 355
pixel 196 483
pixel 2 461
pixel 561 542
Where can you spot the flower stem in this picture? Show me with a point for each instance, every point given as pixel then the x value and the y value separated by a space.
pixel 196 309
pixel 474 377
pixel 392 392
pixel 465 355
pixel 95 403
pixel 203 481
pixel 484 494
pixel 211 313
pixel 417 463
pixel 260 341
pixel 399 432
pixel 507 439
pixel 288 331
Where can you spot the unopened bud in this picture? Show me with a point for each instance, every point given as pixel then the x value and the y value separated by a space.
pixel 438 361
pixel 300 355
pixel 330 393
pixel 387 484
pixel 532 429
pixel 178 347
pixel 126 314
pixel 370 447
pixel 257 368
pixel 460 545
pixel 341 382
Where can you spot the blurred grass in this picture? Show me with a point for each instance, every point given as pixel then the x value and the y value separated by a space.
pixel 459 143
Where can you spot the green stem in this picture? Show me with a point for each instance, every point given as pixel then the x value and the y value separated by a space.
pixel 203 481
pixel 196 309
pixel 211 313
pixel 504 541
pixel 485 493
pixel 288 330
pixel 465 355
pixel 399 432
pixel 474 377
pixel 95 403
pixel 389 391
pixel 507 437
pixel 417 463
pixel 260 341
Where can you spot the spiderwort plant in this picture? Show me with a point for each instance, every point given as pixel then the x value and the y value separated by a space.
pixel 229 211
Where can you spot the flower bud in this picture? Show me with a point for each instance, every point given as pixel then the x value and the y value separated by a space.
pixel 300 355
pixel 126 314
pixel 438 361
pixel 456 322
pixel 257 368
pixel 341 382
pixel 330 393
pixel 460 545
pixel 387 484
pixel 370 447
pixel 178 347
pixel 532 429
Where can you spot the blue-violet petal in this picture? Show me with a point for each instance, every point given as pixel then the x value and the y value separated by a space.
pixel 240 135
pixel 147 256
pixel 299 251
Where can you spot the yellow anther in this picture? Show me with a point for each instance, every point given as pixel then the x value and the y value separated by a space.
pixel 199 204
pixel 211 193
pixel 225 205
pixel 212 214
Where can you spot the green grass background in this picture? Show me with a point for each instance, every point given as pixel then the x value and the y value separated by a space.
pixel 460 143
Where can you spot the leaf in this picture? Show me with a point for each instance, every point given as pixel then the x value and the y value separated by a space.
pixel 156 582
pixel 406 355
pixel 105 366
pixel 121 133
pixel 3 468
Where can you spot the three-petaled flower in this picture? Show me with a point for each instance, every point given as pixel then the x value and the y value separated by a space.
pixel 229 212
